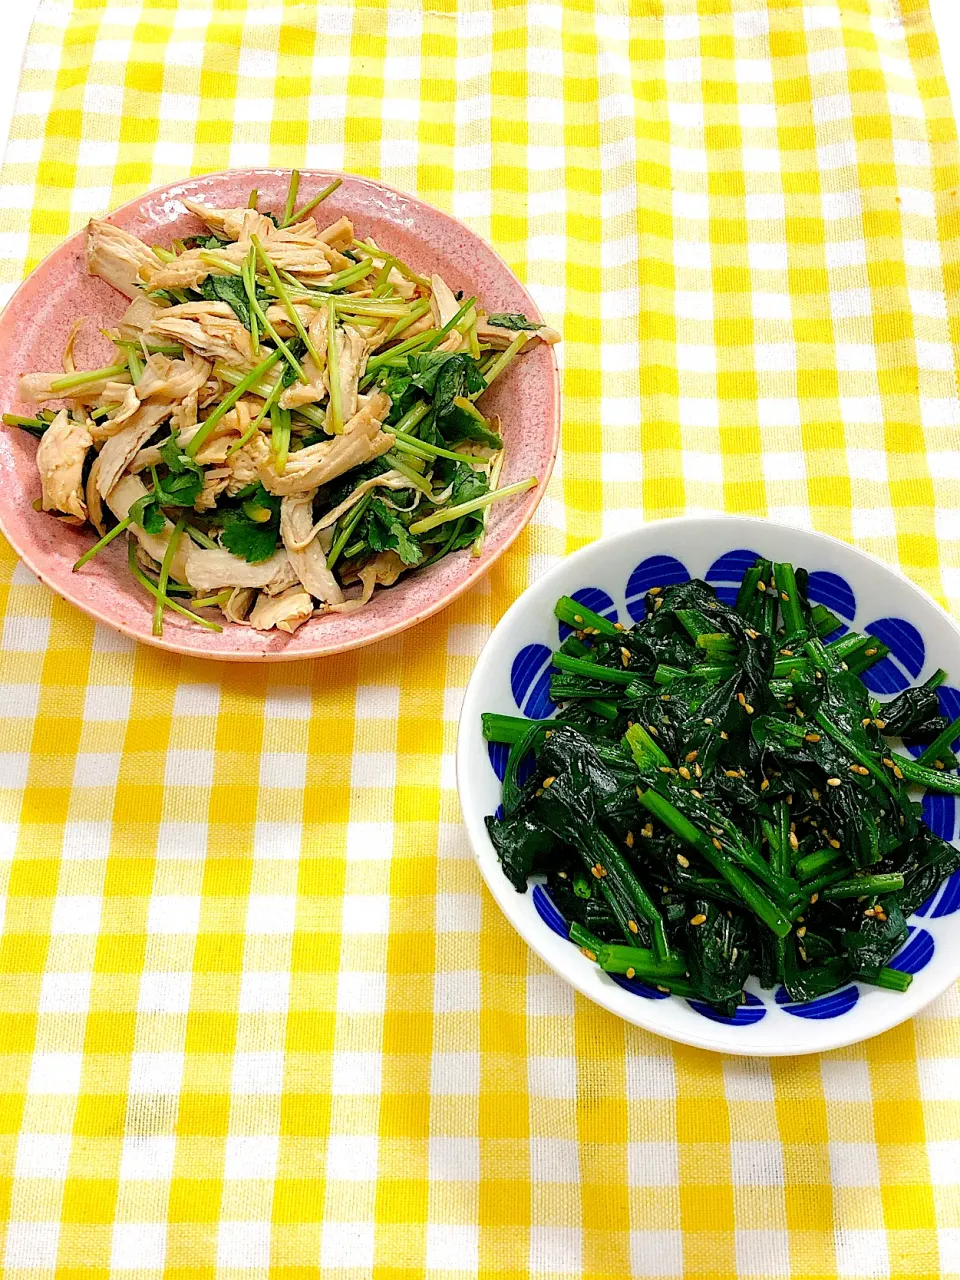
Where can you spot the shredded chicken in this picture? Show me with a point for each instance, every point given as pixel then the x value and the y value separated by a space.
pixel 214 570
pixel 239 605
pixel 382 571
pixel 120 450
pixel 120 499
pixel 495 336
pixel 117 257
pixel 286 611
pixel 60 458
pixel 297 393
pixel 36 387
pixel 309 562
pixel 362 441
pixel 209 328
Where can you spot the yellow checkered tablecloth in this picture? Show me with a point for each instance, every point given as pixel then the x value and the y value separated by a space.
pixel 256 1013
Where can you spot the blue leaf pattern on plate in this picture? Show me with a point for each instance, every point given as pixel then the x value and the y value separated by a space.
pixel 726 574
pixel 907 653
pixel 916 953
pixel 530 683
pixel 592 598
pixel 548 913
pixel 745 1016
pixel 833 1005
pixel 655 571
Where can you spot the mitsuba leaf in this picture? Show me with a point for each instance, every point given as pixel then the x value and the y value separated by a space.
pixel 252 540
pixel 387 532
pixel 147 514
pixel 228 289
pixel 512 320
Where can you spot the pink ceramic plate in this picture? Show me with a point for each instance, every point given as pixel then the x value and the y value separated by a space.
pixel 34 327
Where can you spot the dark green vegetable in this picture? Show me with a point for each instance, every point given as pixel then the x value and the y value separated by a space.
pixel 717 796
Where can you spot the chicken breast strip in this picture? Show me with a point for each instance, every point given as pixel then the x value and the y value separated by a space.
pixel 60 458
pixel 306 556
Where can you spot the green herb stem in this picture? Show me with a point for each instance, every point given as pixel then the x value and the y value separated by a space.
pixel 475 504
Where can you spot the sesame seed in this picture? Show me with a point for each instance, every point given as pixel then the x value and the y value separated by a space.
pixel 833 782
pixel 708 721
pixel 881 724
pixel 652 730
pixel 790 798
pixel 754 635
pixel 629 839
pixel 724 735
pixel 562 875
pixel 814 897
pixel 591 955
pixel 761 585
pixel 647 830
pixel 654 591
pixel 717 831
pixel 657 604
pixel 811 737
pixel 869 653
pixel 741 699
pixel 888 762
pixel 597 871
pixel 548 782
pixel 664 697
pixel 631 972
pixel 784 596
pixel 815 793
pixel 625 656
pixel 803 954
pixel 684 862
pixel 716 843
pixel 618 626
pixel 578 617
pixel 794 842
pixel 834 843
pixel 684 772
pixel 695 792
pixel 765 784
pixel 633 926
pixel 665 990
pixel 691 756
pixel 731 773
pixel 748 709
pixel 801 931
pixel 698 919
pixel 786 653
pixel 665 768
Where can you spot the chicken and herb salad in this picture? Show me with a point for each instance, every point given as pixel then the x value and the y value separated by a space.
pixel 291 420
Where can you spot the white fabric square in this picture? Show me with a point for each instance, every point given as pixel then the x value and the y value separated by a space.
pixel 264 992
pixel 356 1071
pixel 767 257
pixel 107 702
pixel 845 253
pixel 346 1244
pixel 32 1244
pixel 939 1079
pixel 93 769
pixel 656 1253
pixel 43 1155
pixel 652 1164
pixel 277 841
pixel 65 993
pixel 772 306
pixel 873 522
pixel 19 701
pixel 252 1156
pixel 373 769
pixel 243 1244
pixel 452 1246
pixel 690 204
pixel 555 1250
pixel 650 1076
pixel 147 1158
pixel 850 1081
pixel 156 1072
pixel 764 1253
pixel 778 412
pixel 748 1080
pixel 455 1073
pixel 164 992
pixel 458 913
pixel 371 839
pixel 271 913
pixel 693 304
pixel 55 1073
pixel 696 357
pixel 258 1072
pixel 377 702
pixel 139 1246
pixel 363 992
pixel 294 702
pixel 196 700
pixel 173 913
pixel 944 1158
pixel 188 768
pixel 76 913
pixel 352 1157
pixel 861 1252
pixel 182 840
pixel 554 1160
pixel 854 1164
pixel 456 991
pixel 283 769
pixel 454 1159
pixel 698 412
pixel 765 207
pixel 365 913
pixel 756 1164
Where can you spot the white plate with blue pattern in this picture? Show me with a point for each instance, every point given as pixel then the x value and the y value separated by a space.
pixel 611 576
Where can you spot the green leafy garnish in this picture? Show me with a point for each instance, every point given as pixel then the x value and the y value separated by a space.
pixel 252 539
pixel 386 532
pixel 511 320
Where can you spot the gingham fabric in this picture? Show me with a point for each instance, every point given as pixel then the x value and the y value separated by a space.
pixel 257 1015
